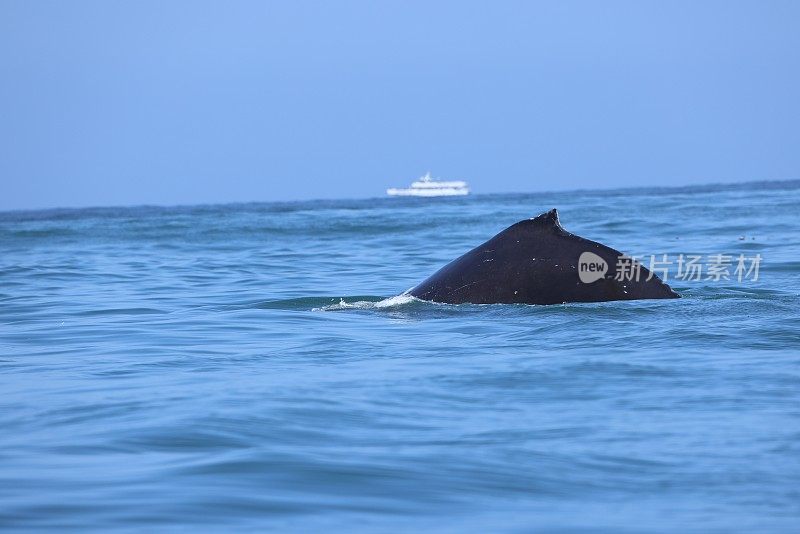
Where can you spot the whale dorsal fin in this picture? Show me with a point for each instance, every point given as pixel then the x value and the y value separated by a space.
pixel 548 219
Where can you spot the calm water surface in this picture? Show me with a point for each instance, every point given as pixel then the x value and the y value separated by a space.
pixel 238 366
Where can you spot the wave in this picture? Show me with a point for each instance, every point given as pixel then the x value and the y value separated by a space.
pixel 391 302
pixel 355 302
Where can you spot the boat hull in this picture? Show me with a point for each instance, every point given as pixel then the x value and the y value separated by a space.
pixel 431 192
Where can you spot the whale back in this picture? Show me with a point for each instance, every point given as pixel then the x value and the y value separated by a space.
pixel 536 261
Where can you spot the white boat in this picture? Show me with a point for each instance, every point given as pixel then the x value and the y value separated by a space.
pixel 426 186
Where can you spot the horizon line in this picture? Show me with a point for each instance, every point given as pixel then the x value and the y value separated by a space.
pixel 385 197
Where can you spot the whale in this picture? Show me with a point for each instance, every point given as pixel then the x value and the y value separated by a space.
pixel 536 261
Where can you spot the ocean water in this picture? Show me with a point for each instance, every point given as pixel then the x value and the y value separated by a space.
pixel 247 367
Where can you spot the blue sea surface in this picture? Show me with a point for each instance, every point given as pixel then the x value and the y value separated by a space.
pixel 246 367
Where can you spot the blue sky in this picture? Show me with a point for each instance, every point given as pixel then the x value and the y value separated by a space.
pixel 180 102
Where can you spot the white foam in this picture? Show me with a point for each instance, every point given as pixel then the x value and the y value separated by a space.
pixel 398 300
pixel 391 302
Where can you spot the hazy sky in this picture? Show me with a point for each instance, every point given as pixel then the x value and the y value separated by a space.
pixel 167 102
